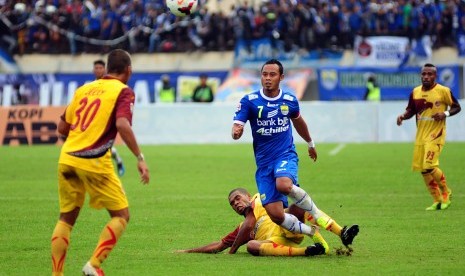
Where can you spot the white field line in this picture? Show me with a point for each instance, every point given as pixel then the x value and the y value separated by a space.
pixel 337 149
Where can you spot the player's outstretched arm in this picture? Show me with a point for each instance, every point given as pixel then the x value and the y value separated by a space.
pixel 243 236
pixel 212 248
pixel 302 129
pixel 126 133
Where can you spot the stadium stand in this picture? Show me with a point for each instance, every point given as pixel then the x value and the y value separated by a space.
pixel 93 26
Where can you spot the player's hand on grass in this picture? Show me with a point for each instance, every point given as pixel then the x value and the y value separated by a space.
pixel 143 172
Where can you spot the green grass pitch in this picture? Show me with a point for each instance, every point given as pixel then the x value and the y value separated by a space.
pixel 186 205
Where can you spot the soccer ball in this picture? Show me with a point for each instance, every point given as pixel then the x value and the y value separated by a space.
pixel 181 7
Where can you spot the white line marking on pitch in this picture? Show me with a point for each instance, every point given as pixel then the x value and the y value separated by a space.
pixel 337 149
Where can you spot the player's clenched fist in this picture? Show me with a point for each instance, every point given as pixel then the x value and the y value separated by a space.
pixel 237 131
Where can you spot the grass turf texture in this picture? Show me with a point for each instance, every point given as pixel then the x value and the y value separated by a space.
pixel 186 206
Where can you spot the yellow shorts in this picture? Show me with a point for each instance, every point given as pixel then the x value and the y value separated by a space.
pixel 105 190
pixel 287 241
pixel 269 231
pixel 426 156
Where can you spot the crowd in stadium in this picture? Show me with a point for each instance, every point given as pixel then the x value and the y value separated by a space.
pixel 96 26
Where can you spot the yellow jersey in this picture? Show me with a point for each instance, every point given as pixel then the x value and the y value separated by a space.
pixel 424 104
pixel 265 228
pixel 92 117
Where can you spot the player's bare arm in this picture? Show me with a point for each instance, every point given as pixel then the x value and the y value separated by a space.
pixel 244 232
pixel 302 129
pixel 407 115
pixel 126 133
pixel 212 248
pixel 409 112
pixel 454 109
pixel 237 131
pixel 63 128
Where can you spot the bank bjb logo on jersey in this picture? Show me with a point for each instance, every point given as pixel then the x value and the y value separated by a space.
pixel 284 109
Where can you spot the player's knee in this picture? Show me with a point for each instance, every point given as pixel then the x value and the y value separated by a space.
pixel 253 247
pixel 124 214
pixel 278 219
pixel 296 211
pixel 284 185
pixel 70 217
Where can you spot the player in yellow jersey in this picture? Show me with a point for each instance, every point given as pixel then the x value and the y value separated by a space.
pixel 98 111
pixel 431 103
pixel 262 235
pixel 100 71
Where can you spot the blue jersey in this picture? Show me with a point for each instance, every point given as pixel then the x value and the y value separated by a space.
pixel 270 121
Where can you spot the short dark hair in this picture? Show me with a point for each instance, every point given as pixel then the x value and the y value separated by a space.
pixel 118 60
pixel 99 61
pixel 240 190
pixel 429 65
pixel 277 62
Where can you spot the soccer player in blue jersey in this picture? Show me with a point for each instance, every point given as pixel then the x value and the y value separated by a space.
pixel 270 112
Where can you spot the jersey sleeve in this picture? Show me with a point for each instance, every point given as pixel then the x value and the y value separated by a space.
pixel 411 108
pixel 68 115
pixel 294 108
pixel 242 112
pixel 231 237
pixel 124 104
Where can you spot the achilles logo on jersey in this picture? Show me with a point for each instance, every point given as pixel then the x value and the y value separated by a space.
pixel 269 131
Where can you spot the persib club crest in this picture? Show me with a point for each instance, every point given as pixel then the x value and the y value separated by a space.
pixel 284 109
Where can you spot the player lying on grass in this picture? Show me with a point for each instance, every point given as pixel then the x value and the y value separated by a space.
pixel 264 237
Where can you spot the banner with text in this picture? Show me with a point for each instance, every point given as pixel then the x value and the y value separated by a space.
pixel 349 83
pixel 58 89
pixel 386 51
pixel 31 125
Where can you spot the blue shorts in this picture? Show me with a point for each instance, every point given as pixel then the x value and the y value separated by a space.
pixel 265 177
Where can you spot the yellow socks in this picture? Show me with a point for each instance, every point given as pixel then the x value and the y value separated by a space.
pixel 274 249
pixel 432 187
pixel 60 243
pixel 325 222
pixel 439 177
pixel 334 227
pixel 107 240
